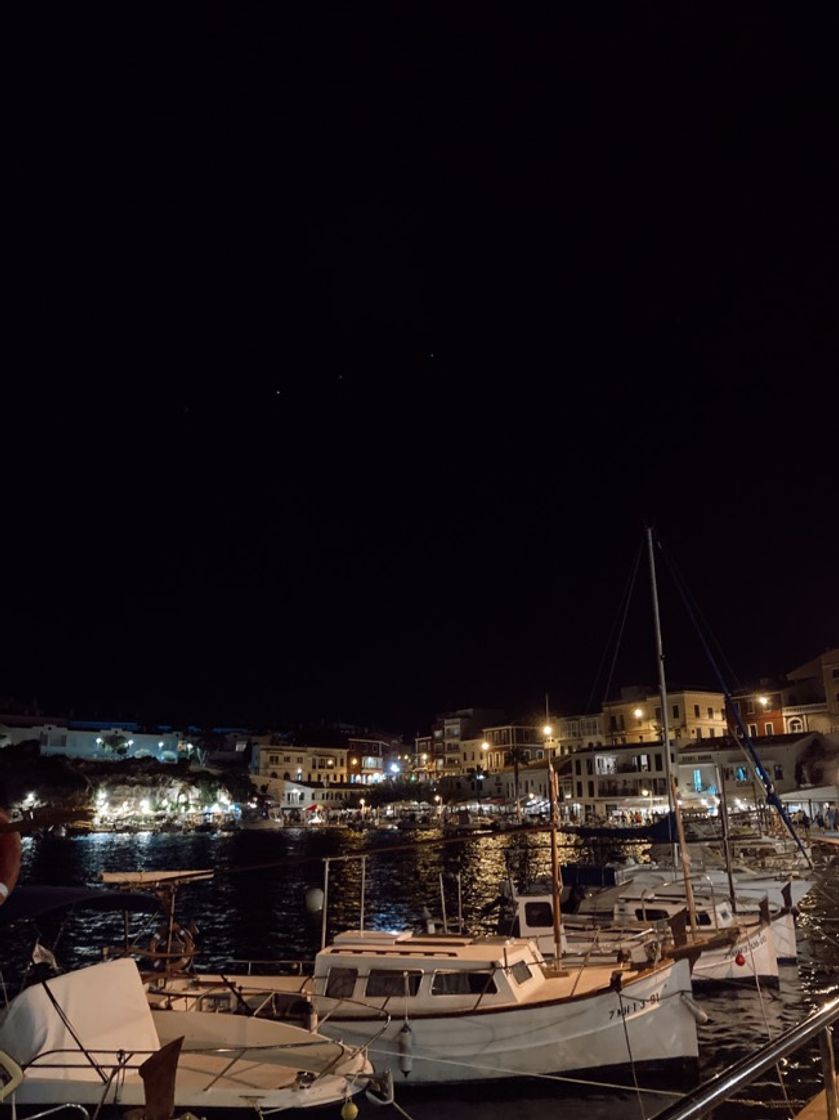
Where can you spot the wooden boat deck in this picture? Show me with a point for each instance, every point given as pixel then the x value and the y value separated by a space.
pixel 816 1109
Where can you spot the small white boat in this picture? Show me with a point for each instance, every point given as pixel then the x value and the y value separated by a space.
pixel 83 1037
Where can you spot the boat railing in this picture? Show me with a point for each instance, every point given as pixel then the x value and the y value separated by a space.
pixel 706 1097
pixel 292 967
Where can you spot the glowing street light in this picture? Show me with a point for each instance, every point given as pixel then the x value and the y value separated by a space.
pixel 763 701
pixel 639 713
pixel 547 731
pixel 648 793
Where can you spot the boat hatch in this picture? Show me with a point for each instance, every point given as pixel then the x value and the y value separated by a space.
pixel 378 937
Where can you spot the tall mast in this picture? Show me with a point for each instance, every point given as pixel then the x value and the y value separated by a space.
pixel 662 683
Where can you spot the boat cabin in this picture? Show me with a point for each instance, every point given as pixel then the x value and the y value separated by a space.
pixel 427 974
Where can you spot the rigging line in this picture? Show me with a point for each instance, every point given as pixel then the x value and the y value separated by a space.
pixel 631 1059
pixel 676 571
pixel 778 1069
pixel 623 623
pixel 771 796
pixel 627 594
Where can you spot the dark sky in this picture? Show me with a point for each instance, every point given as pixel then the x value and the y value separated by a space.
pixel 350 351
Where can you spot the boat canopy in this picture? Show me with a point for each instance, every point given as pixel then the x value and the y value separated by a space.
pixel 33 902
pixel 123 1021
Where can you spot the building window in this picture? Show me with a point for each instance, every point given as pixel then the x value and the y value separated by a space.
pixel 768 729
pixel 675 711
pixel 658 761
pixel 779 772
pixel 753 730
pixel 795 724
pixel 658 714
pixel 712 732
pixel 697 780
pixel 741 774
pixel 710 713
pixel 750 707
pixel 579 789
pixel 591 789
pixel 699 733
pixel 696 711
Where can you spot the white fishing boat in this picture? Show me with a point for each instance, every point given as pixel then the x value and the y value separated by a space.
pixel 466 1009
pixel 86 1037
pixel 642 919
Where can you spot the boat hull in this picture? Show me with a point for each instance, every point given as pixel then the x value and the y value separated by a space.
pixel 648 1022
pixel 755 949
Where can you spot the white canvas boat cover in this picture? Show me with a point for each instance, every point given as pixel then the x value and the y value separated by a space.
pixel 106 1007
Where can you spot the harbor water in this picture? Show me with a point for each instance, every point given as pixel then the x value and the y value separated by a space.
pixel 254 909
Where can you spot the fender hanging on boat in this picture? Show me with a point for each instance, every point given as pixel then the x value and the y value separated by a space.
pixel 405 1042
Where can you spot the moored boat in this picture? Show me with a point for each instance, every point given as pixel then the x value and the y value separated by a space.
pixel 468 1009
pixel 76 1047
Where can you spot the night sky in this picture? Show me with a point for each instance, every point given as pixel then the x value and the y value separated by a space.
pixel 350 350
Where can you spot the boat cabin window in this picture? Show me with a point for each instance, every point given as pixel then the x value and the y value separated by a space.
pixel 453 983
pixel 538 914
pixel 703 918
pixel 392 982
pixel 521 972
pixel 341 982
pixel 651 914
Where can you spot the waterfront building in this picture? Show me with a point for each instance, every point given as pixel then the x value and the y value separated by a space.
pixel 506 742
pixel 574 733
pixel 443 748
pixel 610 778
pixel 305 797
pixel 321 765
pixel 811 695
pixel 95 740
pixel 635 716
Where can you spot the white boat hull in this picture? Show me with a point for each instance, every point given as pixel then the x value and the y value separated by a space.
pixel 648 1022
pixel 756 950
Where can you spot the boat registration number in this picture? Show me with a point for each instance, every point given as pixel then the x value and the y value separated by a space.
pixel 630 1006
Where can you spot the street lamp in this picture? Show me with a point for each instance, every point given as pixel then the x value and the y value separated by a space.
pixel 648 793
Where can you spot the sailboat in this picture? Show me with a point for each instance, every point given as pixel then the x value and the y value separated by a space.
pixel 721 944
